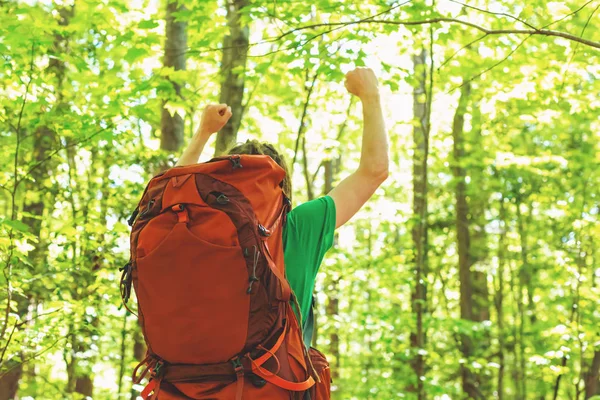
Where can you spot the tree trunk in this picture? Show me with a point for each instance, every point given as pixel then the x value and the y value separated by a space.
pixel 523 281
pixel 592 377
pixel 233 66
pixel 172 126
pixel 499 299
pixel 93 258
pixel 527 274
pixel 470 380
pixel 9 383
pixel 333 306
pixel 330 169
pixel 122 355
pixel 327 186
pixel 518 373
pixel 421 128
pixel 139 352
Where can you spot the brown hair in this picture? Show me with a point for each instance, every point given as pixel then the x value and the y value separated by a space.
pixel 254 147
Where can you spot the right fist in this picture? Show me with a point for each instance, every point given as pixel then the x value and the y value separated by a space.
pixel 214 117
pixel 362 82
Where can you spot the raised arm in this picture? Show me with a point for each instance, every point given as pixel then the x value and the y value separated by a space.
pixel 354 191
pixel 214 117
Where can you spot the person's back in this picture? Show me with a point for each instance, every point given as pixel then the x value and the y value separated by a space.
pixel 301 243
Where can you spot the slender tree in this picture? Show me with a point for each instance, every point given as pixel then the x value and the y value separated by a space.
pixel 233 66
pixel 172 125
pixel 421 130
pixel 471 382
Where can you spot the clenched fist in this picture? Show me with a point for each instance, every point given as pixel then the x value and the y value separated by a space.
pixel 362 82
pixel 214 117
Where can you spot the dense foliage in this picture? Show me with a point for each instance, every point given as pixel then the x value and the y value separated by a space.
pixel 474 272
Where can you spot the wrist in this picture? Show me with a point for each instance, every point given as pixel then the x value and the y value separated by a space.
pixel 202 133
pixel 370 97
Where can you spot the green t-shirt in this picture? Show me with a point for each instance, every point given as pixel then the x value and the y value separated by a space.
pixel 306 238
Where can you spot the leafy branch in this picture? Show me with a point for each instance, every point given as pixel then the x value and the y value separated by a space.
pixel 429 21
pixel 20 324
pixel 488 32
pixel 7 270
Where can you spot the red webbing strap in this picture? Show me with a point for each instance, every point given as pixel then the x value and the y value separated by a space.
pixel 148 362
pixel 262 359
pixel 275 379
pixel 284 384
pixel 285 208
pixel 239 376
pixel 154 365
pixel 156 388
pixel 148 389
pixel 285 286
pixel 153 387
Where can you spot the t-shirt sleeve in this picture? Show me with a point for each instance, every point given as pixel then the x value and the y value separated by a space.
pixel 313 224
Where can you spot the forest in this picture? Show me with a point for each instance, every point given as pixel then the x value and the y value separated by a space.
pixel 474 271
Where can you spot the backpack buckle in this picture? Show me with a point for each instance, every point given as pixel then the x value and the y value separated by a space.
pixel 263 231
pixel 237 366
pixel 157 370
pixel 236 161
pixel 257 381
pixel 222 199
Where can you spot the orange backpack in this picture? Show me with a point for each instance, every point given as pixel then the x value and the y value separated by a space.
pixel 213 301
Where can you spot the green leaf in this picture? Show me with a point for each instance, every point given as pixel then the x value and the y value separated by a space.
pixel 148 24
pixel 16 225
pixel 135 53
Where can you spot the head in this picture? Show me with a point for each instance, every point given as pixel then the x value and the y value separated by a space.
pixel 254 147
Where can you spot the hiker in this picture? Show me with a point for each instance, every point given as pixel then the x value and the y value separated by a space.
pixel 311 226
pixel 301 237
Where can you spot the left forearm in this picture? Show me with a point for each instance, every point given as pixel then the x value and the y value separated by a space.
pixel 214 117
pixel 374 157
pixel 193 151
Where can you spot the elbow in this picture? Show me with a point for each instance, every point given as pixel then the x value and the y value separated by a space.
pixel 376 173
pixel 382 174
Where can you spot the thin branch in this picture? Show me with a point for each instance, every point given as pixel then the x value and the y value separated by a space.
pixel 7 270
pixel 339 135
pixel 251 93
pixel 19 325
pixel 24 361
pixel 302 126
pixel 309 191
pixel 562 85
pixel 12 332
pixel 302 28
pixel 530 32
pixel 367 19
pixel 430 94
pixel 447 60
pixel 56 151
pixel 539 32
pixel 568 15
pixel 495 13
pixel 491 67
